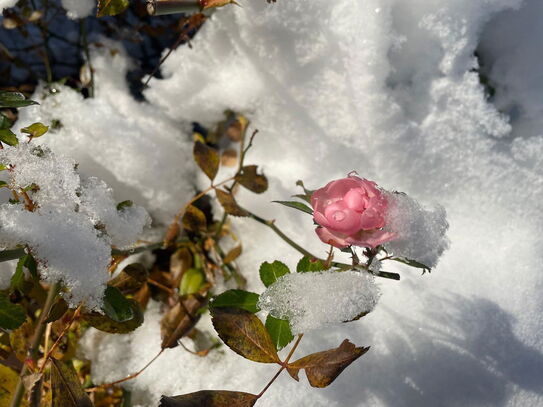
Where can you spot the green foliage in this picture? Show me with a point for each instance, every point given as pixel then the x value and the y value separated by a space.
pixel 111 7
pixel 296 205
pixel 12 315
pixel 116 306
pixel 270 272
pixel 237 299
pixel 14 99
pixel 35 130
pixel 124 204
pixel 322 368
pixel 207 158
pixel 412 263
pixel 106 324
pixel 8 137
pixel 192 281
pixel 67 390
pixel 279 330
pixel 210 398
pixel 5 123
pixel 245 334
pixel 308 264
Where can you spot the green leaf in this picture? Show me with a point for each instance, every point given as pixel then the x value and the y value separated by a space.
pixel 3 184
pixel 237 299
pixel 210 398
pixel 14 99
pixel 3 167
pixel 106 324
pixel 124 204
pixel 116 306
pixel 245 334
pixel 279 330
pixel 111 7
pixel 322 368
pixel 18 278
pixel 67 390
pixel 12 315
pixel 8 137
pixel 309 264
pixel 296 205
pixel 270 272
pixel 35 130
pixel 5 123
pixel 193 279
pixel 7 255
pixel 254 182
pixel 412 263
pixel 207 158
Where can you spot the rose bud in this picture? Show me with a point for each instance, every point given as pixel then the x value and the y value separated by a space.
pixel 351 211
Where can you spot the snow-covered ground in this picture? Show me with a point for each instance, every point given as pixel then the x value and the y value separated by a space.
pixel 388 88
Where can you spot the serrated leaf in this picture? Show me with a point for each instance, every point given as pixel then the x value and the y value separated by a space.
pixel 207 158
pixel 279 330
pixel 111 7
pixel 232 255
pixel 412 263
pixel 245 334
pixel 210 398
pixel 207 4
pixel 270 272
pixel 296 205
pixel 67 390
pixel 116 306
pixel 194 219
pixel 309 264
pixel 180 319
pixel 237 299
pixel 14 99
pixel 322 368
pixel 254 182
pixel 5 123
pixel 106 324
pixel 229 204
pixel 35 130
pixel 12 315
pixel 8 137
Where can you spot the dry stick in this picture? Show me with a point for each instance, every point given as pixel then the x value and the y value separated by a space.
pixel 130 377
pixel 34 345
pixel 57 342
pixel 283 366
pixel 161 286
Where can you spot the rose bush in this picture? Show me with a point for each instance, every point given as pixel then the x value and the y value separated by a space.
pixel 351 211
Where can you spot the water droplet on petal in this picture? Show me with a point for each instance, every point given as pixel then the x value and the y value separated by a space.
pixel 338 216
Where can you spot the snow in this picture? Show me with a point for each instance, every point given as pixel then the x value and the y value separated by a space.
pixel 7 3
pixel 64 232
pixel 386 87
pixel 78 8
pixel 316 300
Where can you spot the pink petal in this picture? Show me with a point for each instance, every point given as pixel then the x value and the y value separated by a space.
pixel 371 238
pixel 339 187
pixel 330 238
pixel 372 219
pixel 320 219
pixel 356 199
pixel 342 219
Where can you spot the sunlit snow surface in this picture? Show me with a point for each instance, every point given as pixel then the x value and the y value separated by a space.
pixel 386 88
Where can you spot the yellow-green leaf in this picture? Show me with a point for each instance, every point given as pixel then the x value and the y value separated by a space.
pixel 207 158
pixel 35 130
pixel 8 137
pixel 8 382
pixel 67 390
pixel 111 7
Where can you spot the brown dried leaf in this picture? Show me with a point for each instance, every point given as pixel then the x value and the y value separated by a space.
pixel 194 219
pixel 245 334
pixel 232 254
pixel 171 234
pixel 254 182
pixel 207 159
pixel 180 261
pixel 130 279
pixel 210 398
pixel 205 4
pixel 322 368
pixel 67 390
pixel 30 380
pixel 229 204
pixel 106 324
pixel 180 319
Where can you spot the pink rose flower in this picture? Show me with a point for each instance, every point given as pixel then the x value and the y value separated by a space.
pixel 351 211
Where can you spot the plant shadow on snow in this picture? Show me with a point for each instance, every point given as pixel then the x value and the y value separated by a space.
pixel 469 360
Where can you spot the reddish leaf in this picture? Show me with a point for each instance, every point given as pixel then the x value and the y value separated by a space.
pixel 194 219
pixel 180 319
pixel 210 398
pixel 254 182
pixel 229 204
pixel 245 334
pixel 207 158
pixel 322 368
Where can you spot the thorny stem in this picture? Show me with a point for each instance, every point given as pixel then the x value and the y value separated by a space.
pixel 57 342
pixel 130 377
pixel 283 366
pixel 34 345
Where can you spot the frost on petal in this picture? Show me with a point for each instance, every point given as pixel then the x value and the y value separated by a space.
pixel 315 300
pixel 422 232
